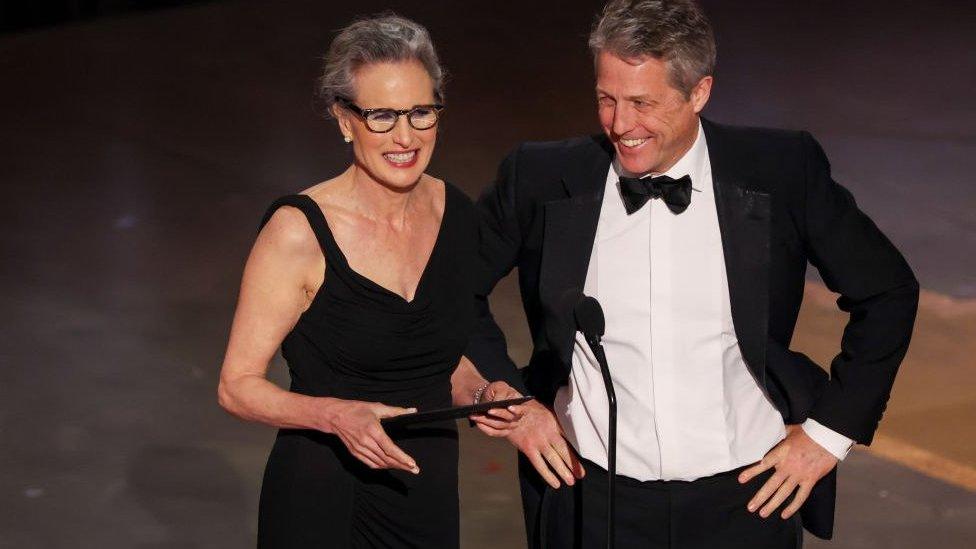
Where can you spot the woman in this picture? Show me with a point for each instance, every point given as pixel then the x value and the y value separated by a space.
pixel 364 281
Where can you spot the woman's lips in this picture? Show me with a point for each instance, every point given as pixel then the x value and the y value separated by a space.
pixel 403 159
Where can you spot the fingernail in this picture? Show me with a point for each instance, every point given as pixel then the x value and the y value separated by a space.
pixel 752 507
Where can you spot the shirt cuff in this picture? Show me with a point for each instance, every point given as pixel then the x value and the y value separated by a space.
pixel 832 441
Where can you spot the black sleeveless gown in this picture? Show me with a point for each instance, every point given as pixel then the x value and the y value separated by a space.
pixel 361 341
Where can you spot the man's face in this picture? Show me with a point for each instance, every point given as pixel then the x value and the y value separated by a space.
pixel 650 123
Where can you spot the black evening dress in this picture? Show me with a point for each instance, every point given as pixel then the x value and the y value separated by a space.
pixel 360 341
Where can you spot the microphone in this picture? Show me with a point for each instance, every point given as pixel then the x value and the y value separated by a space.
pixel 591 322
pixel 589 319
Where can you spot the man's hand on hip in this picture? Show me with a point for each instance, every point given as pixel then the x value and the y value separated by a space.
pixel 535 431
pixel 799 463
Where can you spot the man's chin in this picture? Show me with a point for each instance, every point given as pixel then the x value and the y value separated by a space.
pixel 636 166
pixel 637 162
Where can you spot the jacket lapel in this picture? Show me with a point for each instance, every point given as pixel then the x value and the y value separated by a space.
pixel 569 230
pixel 744 221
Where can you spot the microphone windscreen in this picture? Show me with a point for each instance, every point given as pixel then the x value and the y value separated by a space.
pixel 589 316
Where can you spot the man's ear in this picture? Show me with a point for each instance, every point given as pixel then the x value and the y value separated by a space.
pixel 700 93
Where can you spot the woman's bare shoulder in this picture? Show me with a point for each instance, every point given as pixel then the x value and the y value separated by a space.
pixel 330 196
pixel 288 232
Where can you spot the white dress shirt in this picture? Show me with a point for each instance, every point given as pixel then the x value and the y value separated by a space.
pixel 687 405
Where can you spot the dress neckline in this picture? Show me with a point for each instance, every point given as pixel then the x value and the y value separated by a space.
pixel 372 283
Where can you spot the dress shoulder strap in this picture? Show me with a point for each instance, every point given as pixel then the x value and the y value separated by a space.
pixel 313 213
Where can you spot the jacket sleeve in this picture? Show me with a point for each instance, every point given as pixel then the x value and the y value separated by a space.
pixel 500 242
pixel 878 290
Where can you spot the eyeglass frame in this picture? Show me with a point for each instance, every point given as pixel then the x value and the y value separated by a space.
pixel 364 113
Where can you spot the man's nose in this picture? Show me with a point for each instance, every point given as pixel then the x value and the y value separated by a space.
pixel 623 119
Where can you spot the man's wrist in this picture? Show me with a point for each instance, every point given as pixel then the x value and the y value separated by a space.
pixel 837 444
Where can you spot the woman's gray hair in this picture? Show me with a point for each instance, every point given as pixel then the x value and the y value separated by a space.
pixel 382 38
pixel 675 31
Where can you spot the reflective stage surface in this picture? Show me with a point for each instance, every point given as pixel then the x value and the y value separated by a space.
pixel 137 154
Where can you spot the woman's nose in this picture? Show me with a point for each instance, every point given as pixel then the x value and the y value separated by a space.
pixel 402 132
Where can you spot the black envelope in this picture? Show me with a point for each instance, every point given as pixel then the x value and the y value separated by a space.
pixel 450 413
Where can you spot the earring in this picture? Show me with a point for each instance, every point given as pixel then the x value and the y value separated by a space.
pixel 347 139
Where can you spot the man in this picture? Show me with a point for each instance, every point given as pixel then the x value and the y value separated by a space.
pixel 695 238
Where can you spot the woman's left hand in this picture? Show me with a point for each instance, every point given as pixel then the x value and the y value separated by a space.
pixel 498 421
pixel 466 382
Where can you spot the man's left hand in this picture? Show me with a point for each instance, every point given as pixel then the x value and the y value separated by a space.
pixel 799 463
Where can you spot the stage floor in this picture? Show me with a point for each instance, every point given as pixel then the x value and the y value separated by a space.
pixel 137 155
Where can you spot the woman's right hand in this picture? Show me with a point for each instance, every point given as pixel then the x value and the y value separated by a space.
pixel 357 424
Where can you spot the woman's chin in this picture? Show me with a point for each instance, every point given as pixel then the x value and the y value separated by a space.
pixel 400 179
pixel 394 177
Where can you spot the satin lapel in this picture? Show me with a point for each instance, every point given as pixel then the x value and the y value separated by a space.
pixel 744 221
pixel 570 228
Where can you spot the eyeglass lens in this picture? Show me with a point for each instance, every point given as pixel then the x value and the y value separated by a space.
pixel 420 118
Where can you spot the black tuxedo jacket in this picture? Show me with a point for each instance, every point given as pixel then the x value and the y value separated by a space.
pixel 778 209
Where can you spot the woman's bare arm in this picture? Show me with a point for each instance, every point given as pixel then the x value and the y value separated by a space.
pixel 279 280
pixel 282 275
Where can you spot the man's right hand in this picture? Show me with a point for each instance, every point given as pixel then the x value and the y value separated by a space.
pixel 535 431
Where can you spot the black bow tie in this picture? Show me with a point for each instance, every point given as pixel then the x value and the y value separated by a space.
pixel 675 192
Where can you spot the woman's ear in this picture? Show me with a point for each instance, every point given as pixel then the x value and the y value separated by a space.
pixel 345 125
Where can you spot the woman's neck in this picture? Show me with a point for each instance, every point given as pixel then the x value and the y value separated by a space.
pixel 379 202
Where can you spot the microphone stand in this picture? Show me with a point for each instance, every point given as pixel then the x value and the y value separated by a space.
pixel 590 321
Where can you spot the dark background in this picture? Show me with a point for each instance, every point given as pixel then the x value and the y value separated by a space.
pixel 139 148
pixel 24 14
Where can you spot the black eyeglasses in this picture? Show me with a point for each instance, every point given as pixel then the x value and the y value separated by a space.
pixel 421 117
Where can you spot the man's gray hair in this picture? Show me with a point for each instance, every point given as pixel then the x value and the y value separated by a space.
pixel 674 31
pixel 382 38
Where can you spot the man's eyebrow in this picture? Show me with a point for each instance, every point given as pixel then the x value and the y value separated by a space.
pixel 643 98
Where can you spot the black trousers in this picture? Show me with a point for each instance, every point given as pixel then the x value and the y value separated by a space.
pixel 708 513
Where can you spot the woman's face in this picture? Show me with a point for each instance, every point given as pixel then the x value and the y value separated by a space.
pixel 397 158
